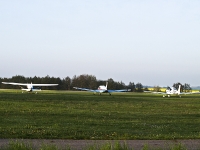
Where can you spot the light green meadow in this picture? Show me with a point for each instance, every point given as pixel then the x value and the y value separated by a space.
pixel 82 115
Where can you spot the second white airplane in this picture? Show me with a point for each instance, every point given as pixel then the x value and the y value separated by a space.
pixel 30 86
pixel 173 91
pixel 102 89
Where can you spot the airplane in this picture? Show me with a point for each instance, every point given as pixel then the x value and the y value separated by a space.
pixel 173 91
pixel 102 89
pixel 30 86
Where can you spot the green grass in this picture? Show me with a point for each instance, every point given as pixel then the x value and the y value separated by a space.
pixel 82 115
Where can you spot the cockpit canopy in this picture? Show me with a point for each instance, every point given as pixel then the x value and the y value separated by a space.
pixel 171 88
pixel 168 88
pixel 102 87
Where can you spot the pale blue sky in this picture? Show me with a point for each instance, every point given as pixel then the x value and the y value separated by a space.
pixel 152 42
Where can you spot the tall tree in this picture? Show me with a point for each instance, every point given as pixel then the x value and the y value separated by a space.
pixel 84 80
pixel 67 83
pixel 131 86
pixel 139 87
pixel 176 85
pixel 157 88
pixel 187 88
pixel 111 83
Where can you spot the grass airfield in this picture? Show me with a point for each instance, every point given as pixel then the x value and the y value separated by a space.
pixel 82 115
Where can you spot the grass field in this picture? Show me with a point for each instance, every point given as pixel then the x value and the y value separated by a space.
pixel 82 115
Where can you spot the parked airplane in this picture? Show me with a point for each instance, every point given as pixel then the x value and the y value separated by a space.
pixel 30 86
pixel 102 89
pixel 173 91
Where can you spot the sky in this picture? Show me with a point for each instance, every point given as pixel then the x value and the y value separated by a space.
pixel 151 42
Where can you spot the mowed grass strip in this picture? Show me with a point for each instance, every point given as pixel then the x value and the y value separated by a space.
pixel 82 115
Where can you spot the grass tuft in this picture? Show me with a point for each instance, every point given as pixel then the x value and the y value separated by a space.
pixel 108 146
pixel 178 146
pixel 15 145
pixel 48 147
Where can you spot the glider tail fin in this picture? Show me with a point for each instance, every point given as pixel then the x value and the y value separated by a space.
pixel 179 89
pixel 106 85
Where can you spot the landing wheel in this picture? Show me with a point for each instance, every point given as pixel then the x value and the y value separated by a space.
pixel 163 95
pixel 168 95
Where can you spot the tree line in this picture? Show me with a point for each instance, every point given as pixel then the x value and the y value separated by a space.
pixel 83 81
pixel 67 83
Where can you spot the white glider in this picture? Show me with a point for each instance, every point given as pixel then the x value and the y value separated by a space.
pixel 30 86
pixel 102 89
pixel 173 91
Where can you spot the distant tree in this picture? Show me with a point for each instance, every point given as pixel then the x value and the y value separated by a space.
pixel 146 89
pixel 176 85
pixel 1 85
pixel 92 81
pixel 115 85
pixel 84 80
pixel 187 88
pixel 131 86
pixel 157 88
pixel 22 79
pixel 66 83
pixel 120 85
pixel 101 82
pixel 139 87
pixel 17 78
pixel 36 79
pixel 46 79
pixel 111 84
pixel 59 82
pixel 74 82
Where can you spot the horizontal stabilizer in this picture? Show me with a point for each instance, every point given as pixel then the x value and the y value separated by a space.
pixel 123 90
pixel 83 89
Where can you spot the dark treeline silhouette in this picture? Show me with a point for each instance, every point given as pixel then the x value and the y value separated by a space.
pixel 67 83
pixel 184 87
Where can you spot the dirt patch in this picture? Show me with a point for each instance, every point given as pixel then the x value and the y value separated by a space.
pixel 82 144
